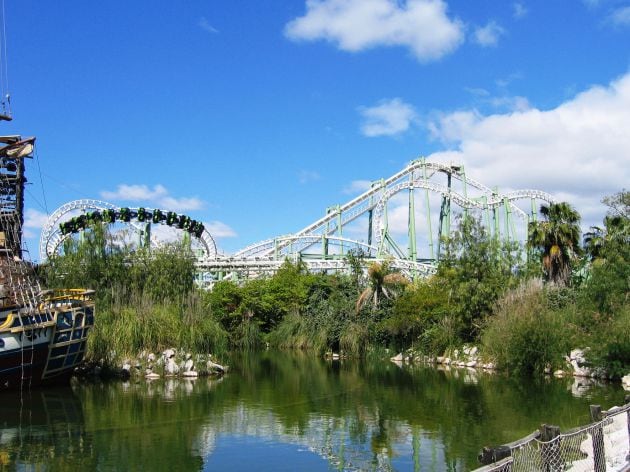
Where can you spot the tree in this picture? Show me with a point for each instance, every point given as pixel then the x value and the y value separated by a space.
pixel 382 282
pixel 557 239
pixel 476 269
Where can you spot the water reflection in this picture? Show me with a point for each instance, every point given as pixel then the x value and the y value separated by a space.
pixel 279 411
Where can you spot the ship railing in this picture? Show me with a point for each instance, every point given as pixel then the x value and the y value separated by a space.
pixel 67 295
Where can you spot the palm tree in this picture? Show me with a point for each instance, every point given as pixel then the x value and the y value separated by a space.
pixel 558 240
pixel 382 282
pixel 594 242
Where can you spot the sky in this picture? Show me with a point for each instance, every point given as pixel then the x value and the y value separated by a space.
pixel 256 116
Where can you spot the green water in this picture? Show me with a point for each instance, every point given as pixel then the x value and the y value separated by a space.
pixel 282 411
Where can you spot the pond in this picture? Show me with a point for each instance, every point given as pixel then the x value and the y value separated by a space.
pixel 287 411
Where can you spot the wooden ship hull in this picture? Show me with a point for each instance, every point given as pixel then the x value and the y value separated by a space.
pixel 43 335
pixel 43 347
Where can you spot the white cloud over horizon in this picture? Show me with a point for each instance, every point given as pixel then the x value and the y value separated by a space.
pixel 388 118
pixel 158 195
pixel 422 26
pixel 578 151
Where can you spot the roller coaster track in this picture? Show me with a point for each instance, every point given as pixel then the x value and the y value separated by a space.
pixel 322 246
pixel 52 235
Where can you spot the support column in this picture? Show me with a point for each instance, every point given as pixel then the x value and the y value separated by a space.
pixel 428 203
pixel 445 216
pixel 411 220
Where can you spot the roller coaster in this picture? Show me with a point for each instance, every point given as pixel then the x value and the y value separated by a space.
pixel 424 194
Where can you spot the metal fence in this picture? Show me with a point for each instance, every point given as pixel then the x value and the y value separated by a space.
pixel 603 445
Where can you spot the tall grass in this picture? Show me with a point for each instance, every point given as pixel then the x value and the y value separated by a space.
pixel 134 323
pixel 526 335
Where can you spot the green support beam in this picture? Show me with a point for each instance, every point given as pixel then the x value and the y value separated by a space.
pixel 428 204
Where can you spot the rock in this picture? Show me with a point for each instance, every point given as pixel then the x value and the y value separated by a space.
pixel 446 361
pixel 471 364
pixel 547 370
pixel 580 371
pixel 188 355
pixel 151 357
pixel 625 382
pixel 455 353
pixel 148 371
pixel 152 375
pixel 397 358
pixel 335 355
pixel 190 373
pixel 189 365
pixel 489 366
pixel 559 373
pixel 126 367
pixel 171 367
pixel 440 360
pixel 215 368
pixel 473 351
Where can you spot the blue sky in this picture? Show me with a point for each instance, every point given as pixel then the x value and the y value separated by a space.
pixel 256 116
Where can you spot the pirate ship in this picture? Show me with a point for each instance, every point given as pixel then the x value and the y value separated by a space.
pixel 43 334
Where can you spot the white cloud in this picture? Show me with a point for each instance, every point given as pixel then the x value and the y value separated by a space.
pixel 519 10
pixel 219 230
pixel 578 151
pixel 205 25
pixel 158 196
pixel 357 186
pixel 423 26
pixel 488 35
pixel 306 176
pixel 620 16
pixel 34 218
pixel 180 204
pixel 388 118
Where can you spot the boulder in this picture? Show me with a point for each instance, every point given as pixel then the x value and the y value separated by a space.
pixel 625 382
pixel 190 373
pixel 189 365
pixel 398 357
pixel 214 368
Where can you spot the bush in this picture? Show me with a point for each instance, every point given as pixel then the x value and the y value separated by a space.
pixel 612 351
pixel 525 335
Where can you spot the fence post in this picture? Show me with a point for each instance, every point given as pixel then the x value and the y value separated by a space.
pixel 490 455
pixel 550 449
pixel 597 433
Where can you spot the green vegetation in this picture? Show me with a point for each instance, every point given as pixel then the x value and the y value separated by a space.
pixel 526 315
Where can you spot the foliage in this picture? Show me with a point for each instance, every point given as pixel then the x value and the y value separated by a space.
pixel 526 335
pixel 476 270
pixel 557 239
pixel 382 283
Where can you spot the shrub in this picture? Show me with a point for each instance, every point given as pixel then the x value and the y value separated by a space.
pixel 525 335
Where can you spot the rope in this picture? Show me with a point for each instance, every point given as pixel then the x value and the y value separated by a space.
pixel 5 66
pixel 41 181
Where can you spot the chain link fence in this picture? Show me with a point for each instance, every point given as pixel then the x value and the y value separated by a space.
pixel 603 445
